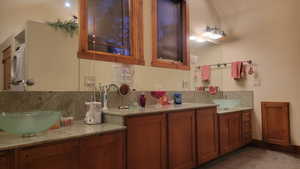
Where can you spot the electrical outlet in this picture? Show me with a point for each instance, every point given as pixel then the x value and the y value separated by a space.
pixel 89 81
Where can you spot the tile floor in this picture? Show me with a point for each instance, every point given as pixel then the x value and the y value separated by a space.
pixel 255 158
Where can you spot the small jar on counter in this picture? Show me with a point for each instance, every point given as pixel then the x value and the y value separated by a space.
pixel 177 98
pixel 142 100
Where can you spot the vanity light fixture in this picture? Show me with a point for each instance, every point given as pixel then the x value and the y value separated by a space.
pixel 213 33
pixel 67 4
pixel 197 39
pixel 193 38
pixel 200 40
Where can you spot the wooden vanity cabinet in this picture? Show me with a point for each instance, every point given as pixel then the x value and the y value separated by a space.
pixel 63 155
pixel 146 142
pixel 5 160
pixel 230 132
pixel 181 140
pixel 207 133
pixel 103 152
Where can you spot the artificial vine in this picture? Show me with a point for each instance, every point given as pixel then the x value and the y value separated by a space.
pixel 69 26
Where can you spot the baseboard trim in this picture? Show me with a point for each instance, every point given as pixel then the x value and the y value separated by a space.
pixel 288 149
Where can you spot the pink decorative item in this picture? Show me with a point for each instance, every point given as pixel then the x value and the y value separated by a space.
pixel 205 73
pixel 213 90
pixel 142 100
pixel 251 70
pixel 158 94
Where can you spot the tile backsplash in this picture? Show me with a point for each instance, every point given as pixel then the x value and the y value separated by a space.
pixel 73 103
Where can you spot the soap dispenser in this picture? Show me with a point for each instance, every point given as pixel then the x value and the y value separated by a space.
pixel 94 114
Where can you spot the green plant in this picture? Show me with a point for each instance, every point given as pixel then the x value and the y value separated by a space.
pixel 69 26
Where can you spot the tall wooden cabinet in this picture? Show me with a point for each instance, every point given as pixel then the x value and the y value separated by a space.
pixel 146 142
pixel 103 152
pixel 276 122
pixel 230 132
pixel 181 140
pixel 207 135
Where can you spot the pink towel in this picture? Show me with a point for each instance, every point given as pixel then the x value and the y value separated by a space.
pixel 236 69
pixel 205 73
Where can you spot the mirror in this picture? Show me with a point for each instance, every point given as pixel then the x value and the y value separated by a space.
pixel 38 57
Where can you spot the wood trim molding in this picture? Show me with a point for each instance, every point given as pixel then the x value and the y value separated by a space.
pixel 186 32
pixel 289 149
pixel 136 39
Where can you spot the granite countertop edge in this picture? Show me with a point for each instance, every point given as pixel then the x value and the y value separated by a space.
pixel 76 131
pixel 232 110
pixel 154 109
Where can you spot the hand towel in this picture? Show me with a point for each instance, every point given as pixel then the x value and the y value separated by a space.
pixel 205 73
pixel 236 68
pixel 243 70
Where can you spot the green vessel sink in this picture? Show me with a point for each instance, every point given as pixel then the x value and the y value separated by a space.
pixel 28 123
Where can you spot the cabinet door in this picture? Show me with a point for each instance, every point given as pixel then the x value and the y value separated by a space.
pixel 146 142
pixel 181 140
pixel 207 135
pixel 5 160
pixel 276 123
pixel 103 152
pixel 55 156
pixel 230 132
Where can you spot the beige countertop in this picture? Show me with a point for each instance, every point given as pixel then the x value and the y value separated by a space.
pixel 235 109
pixel 157 109
pixel 77 130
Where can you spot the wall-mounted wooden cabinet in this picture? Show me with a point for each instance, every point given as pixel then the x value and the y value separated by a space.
pixel 146 142
pixel 181 140
pixel 5 160
pixel 207 135
pixel 276 123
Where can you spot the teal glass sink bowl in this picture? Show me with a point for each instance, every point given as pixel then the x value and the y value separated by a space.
pixel 28 123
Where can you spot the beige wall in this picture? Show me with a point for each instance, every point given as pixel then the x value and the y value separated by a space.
pixel 56 67
pixel 266 31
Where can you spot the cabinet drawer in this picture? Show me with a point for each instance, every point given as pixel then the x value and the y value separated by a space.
pixel 246 116
pixel 4 160
pixel 246 127
pixel 48 150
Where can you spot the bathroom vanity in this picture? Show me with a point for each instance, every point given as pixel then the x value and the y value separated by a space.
pixel 182 137
pixel 169 137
